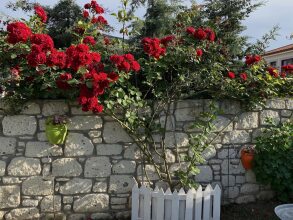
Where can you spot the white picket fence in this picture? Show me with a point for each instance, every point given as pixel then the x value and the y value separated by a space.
pixel 148 204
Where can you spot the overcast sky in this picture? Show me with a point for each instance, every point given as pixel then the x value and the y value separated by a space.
pixel 275 12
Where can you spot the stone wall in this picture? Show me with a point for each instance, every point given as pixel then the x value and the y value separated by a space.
pixel 93 173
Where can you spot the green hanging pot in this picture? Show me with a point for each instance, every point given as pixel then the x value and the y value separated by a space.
pixel 56 134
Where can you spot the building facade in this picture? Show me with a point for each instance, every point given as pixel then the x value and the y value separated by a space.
pixel 280 56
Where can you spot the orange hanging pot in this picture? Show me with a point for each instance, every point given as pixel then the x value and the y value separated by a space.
pixel 247 156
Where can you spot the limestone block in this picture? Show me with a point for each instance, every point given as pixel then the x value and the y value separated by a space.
pixel 109 149
pixel 269 114
pixel 55 108
pixel 187 110
pixel 276 104
pixel 94 134
pixel 132 152
pixel 30 202
pixel 233 168
pixel 236 137
pixel 228 180
pixel 240 179
pixel 247 120
pixel 250 176
pixel 76 186
pixel 19 125
pixel 121 183
pixel 92 203
pixel 222 122
pixel 97 167
pixel 51 204
pixel 114 133
pixel 7 145
pixel 249 188
pixel 37 186
pixel 23 214
pixel 67 199
pixel 101 216
pixel 78 145
pixel 181 139
pixel 84 123
pixel 209 153
pixel 42 136
pixel 231 192
pixel 2 167
pixel 230 107
pixel 23 166
pixel 170 124
pixel 100 187
pixel 31 108
pixel 124 166
pixel 42 149
pixel 227 153
pixel 150 170
pixel 76 216
pixel 9 196
pixel 286 113
pixel 11 180
pixel 289 104
pixel 205 174
pixel 66 167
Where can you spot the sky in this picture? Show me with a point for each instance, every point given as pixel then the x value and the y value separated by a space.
pixel 274 12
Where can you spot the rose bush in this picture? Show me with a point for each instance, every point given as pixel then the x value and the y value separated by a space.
pixel 107 75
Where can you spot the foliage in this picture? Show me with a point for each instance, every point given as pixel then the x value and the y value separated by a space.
pixel 273 163
pixel 138 91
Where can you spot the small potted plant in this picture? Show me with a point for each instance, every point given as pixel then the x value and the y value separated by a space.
pixel 56 129
pixel 247 156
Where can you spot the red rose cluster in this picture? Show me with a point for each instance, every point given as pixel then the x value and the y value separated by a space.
pixel 41 13
pixel 232 75
pixel 88 97
pixel 89 40
pixel 125 62
pixel 80 55
pixel 18 32
pixel 95 8
pixel 273 71
pixel 288 68
pixel 154 47
pixel 201 33
pixel 252 59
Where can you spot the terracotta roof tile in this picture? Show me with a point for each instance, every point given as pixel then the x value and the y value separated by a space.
pixel 279 50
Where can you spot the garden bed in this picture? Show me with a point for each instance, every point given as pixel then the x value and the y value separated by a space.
pixel 261 210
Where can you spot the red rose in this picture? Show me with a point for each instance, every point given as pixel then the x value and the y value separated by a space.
pixel 166 40
pixel 87 6
pixel 135 66
pixel 243 76
pixel 85 14
pixel 57 58
pixel 190 30
pixel 43 40
pixel 273 71
pixel 89 40
pixel 102 20
pixel 124 66
pixel 210 34
pixel 62 83
pixel 98 9
pixel 96 57
pixel 113 76
pixel 152 47
pixel 200 34
pixel 199 52
pixel 283 75
pixel 231 75
pixel 36 58
pixel 129 57
pixel 251 59
pixel 41 13
pixel 116 59
pixel 18 32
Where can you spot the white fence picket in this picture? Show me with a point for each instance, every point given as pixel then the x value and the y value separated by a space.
pixel 198 203
pixel 134 203
pixel 193 205
pixel 207 203
pixel 175 206
pixel 189 204
pixel 168 204
pixel 217 203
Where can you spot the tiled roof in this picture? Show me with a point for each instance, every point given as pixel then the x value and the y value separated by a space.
pixel 279 50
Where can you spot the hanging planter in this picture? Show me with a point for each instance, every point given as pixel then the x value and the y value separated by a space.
pixel 247 156
pixel 56 129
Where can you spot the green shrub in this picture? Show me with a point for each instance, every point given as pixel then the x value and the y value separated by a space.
pixel 273 162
